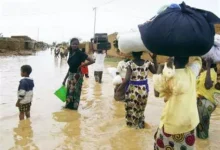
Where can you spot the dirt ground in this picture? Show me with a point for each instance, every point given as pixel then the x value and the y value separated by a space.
pixel 17 53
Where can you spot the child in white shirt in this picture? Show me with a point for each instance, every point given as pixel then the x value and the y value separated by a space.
pixel 99 57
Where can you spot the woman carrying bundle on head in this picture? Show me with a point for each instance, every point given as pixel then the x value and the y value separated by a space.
pixel 180 115
pixel 136 84
pixel 99 57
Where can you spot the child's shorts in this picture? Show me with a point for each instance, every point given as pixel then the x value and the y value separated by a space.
pixel 25 107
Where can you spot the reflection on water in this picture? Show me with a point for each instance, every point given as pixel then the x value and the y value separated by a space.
pixel 23 136
pixel 71 129
pixel 99 123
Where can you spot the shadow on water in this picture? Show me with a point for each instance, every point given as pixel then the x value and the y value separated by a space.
pixel 99 124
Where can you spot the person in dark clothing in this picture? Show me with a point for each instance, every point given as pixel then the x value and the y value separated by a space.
pixel 74 75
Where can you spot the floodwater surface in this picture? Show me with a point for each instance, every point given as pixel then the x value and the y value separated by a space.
pixel 99 123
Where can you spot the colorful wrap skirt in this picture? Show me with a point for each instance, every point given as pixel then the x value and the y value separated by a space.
pixel 165 141
pixel 135 103
pixel 74 87
pixel 205 109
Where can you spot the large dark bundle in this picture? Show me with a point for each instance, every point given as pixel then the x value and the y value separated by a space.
pixel 101 41
pixel 180 31
pixel 101 38
pixel 104 46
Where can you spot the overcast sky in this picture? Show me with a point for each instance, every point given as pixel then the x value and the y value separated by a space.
pixel 59 20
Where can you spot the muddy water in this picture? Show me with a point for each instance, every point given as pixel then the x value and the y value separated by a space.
pixel 98 125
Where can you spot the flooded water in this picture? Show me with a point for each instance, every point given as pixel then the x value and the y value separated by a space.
pixel 98 125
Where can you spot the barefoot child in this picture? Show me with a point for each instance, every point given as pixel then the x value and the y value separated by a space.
pixel 85 69
pixel 136 84
pixel 25 92
pixel 121 70
pixel 99 56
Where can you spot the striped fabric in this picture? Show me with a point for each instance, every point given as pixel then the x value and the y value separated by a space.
pixel 25 90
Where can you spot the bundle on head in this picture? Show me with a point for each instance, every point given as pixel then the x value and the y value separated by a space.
pixel 180 30
pixel 214 53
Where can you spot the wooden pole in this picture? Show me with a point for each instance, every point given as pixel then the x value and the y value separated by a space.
pixel 95 19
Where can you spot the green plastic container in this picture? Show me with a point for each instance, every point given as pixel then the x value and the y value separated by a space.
pixel 61 93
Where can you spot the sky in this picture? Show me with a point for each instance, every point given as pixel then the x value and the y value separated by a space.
pixel 60 20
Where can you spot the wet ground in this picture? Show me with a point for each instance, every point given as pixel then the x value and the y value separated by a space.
pixel 98 125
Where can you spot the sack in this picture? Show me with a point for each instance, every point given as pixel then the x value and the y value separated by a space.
pixel 214 53
pixel 61 93
pixel 181 31
pixel 117 80
pixel 119 95
pixel 130 42
pixel 217 40
pixel 112 71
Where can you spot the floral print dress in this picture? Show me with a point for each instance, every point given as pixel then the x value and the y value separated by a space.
pixel 74 87
pixel 165 141
pixel 136 95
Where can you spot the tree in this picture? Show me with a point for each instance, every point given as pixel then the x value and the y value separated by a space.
pixel 1 35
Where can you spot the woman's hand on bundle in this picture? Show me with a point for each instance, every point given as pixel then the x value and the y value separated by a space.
pixel 153 56
pixel 170 62
pixel 208 84
pixel 217 86
pixel 153 67
pixel 208 80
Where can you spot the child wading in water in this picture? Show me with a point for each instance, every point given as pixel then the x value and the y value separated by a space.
pixel 180 115
pixel 99 57
pixel 208 97
pixel 136 84
pixel 85 69
pixel 25 92
pixel 121 70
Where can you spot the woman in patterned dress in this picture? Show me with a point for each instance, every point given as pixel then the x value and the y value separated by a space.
pixel 136 84
pixel 180 115
pixel 74 75
pixel 208 97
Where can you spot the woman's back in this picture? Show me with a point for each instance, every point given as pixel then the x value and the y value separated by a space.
pixel 139 70
pixel 180 114
pixel 99 61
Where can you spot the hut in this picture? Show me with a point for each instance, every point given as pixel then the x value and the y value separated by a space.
pixel 9 44
pixel 26 43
